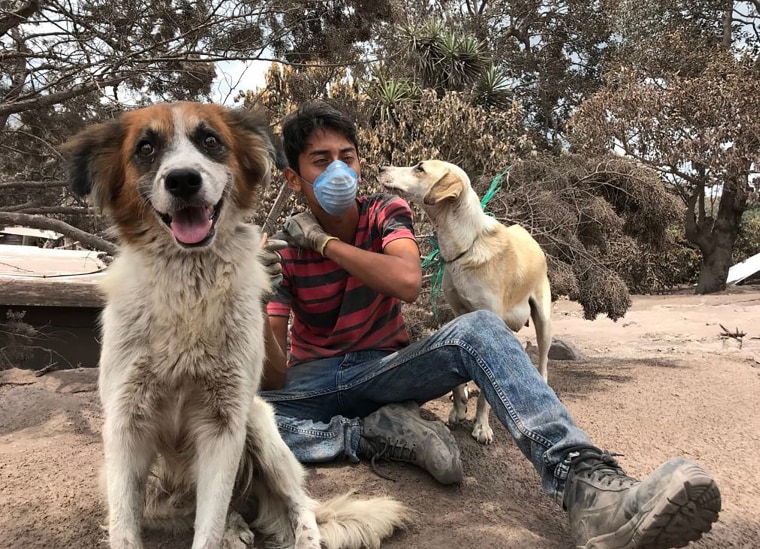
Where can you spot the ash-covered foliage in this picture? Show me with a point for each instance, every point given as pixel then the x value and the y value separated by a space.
pixel 603 222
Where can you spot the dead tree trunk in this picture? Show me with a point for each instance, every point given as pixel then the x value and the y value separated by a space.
pixel 715 236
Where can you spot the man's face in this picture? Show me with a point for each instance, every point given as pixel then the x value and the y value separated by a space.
pixel 323 147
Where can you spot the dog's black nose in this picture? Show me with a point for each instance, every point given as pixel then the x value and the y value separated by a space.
pixel 183 183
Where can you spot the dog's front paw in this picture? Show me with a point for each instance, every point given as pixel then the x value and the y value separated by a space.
pixel 308 538
pixel 482 433
pixel 237 535
pixel 122 543
pixel 457 415
pixel 118 539
pixel 459 397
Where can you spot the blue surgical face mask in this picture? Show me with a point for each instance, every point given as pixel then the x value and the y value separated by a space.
pixel 335 188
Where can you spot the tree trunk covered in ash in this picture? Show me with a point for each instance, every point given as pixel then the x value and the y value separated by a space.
pixel 715 236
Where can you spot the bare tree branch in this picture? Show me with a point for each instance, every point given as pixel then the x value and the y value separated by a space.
pixel 51 210
pixel 277 207
pixel 31 184
pixel 58 97
pixel 12 19
pixel 48 223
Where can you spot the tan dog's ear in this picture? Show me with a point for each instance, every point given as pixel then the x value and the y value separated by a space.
pixel 448 186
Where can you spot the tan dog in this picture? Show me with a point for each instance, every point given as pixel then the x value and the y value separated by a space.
pixel 187 440
pixel 487 265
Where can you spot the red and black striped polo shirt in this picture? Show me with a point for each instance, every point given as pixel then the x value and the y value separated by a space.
pixel 335 313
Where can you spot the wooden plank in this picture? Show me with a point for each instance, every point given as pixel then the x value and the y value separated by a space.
pixel 52 292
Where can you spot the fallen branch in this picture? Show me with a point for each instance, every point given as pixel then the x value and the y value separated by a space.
pixel 48 223
pixel 737 335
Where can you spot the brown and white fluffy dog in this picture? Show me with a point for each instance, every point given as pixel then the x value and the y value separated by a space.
pixel 487 265
pixel 186 437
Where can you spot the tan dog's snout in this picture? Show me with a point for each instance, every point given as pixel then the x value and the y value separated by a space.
pixel 429 182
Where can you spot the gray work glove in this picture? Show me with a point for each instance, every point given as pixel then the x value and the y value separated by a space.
pixel 270 259
pixel 304 231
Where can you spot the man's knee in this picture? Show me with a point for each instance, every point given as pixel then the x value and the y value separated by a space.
pixel 481 321
pixel 484 330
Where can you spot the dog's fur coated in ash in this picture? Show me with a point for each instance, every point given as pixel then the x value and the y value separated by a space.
pixel 487 265
pixel 187 440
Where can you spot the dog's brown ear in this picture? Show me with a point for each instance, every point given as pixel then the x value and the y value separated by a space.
pixel 256 150
pixel 447 187
pixel 94 163
pixel 256 126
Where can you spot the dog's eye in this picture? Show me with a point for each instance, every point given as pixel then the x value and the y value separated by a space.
pixel 419 168
pixel 145 149
pixel 210 142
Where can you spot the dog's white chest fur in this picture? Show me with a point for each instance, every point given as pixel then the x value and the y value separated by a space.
pixel 187 310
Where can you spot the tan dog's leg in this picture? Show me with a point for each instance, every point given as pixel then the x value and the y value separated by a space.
pixel 458 412
pixel 460 395
pixel 481 429
pixel 542 320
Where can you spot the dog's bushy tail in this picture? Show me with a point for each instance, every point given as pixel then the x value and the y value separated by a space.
pixel 346 523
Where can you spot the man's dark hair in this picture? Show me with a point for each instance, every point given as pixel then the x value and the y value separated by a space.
pixel 297 127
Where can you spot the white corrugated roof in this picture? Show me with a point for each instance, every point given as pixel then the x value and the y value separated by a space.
pixel 28 231
pixel 34 262
pixel 744 270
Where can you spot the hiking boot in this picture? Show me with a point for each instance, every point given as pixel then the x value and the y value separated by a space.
pixel 674 505
pixel 396 432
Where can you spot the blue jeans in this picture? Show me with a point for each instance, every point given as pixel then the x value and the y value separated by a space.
pixel 319 410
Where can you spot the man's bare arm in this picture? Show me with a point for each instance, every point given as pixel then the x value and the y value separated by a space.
pixel 275 363
pixel 394 272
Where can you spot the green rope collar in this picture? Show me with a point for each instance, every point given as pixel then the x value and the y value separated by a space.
pixel 434 263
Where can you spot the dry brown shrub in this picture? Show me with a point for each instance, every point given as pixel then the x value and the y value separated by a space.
pixel 602 291
pixel 601 221
pixel 562 278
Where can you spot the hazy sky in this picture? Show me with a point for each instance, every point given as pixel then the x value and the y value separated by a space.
pixel 233 76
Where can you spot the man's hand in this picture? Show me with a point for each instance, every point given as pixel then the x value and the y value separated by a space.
pixel 271 261
pixel 304 231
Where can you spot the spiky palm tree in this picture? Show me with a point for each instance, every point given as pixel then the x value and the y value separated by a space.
pixel 388 92
pixel 442 58
pixel 421 50
pixel 461 60
pixel 493 89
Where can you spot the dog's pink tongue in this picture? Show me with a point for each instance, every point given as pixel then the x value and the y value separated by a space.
pixel 191 225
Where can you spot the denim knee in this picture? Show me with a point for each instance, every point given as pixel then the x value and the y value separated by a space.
pixel 487 335
pixel 481 323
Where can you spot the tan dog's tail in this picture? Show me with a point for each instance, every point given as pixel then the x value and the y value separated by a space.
pixel 346 523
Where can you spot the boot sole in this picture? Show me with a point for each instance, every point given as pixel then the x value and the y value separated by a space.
pixel 680 514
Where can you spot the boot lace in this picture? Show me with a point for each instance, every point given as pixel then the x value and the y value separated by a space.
pixel 396 450
pixel 602 466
